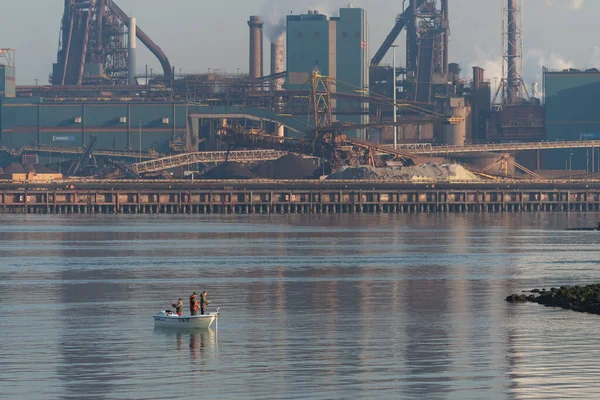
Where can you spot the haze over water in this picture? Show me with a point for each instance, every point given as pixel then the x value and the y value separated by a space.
pixel 314 307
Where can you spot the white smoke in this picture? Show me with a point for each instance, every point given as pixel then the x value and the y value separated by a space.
pixel 554 61
pixel 576 4
pixel 572 4
pixel 492 64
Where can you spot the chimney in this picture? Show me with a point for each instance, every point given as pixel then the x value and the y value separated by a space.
pixel 277 62
pixel 256 47
pixel 478 77
pixel 277 66
pixel 132 50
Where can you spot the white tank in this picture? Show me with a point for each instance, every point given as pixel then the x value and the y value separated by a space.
pixel 455 133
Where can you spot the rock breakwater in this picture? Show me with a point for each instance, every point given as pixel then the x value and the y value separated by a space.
pixel 576 298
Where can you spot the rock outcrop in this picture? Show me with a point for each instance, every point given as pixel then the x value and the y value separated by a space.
pixel 576 298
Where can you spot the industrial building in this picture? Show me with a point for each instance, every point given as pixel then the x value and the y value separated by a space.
pixel 96 98
pixel 337 47
pixel 570 98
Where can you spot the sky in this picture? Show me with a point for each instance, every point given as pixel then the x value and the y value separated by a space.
pixel 198 35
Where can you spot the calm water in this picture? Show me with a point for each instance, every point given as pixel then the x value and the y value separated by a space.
pixel 331 307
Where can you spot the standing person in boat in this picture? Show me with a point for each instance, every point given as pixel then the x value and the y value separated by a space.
pixel 178 307
pixel 194 305
pixel 203 302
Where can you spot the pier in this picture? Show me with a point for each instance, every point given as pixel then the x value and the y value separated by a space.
pixel 297 197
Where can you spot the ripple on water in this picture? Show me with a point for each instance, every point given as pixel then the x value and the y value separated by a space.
pixel 405 306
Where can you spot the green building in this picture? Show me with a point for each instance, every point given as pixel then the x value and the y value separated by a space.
pixel 118 124
pixel 572 113
pixel 338 47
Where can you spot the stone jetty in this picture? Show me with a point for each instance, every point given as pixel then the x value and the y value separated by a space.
pixel 576 298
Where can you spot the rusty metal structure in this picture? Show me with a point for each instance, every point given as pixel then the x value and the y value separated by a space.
pixel 427 47
pixel 93 45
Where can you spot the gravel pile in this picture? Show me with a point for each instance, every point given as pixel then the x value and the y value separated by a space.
pixel 230 170
pixel 425 172
pixel 14 168
pixel 287 167
pixel 42 169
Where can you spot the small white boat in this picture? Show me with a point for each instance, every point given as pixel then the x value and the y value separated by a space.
pixel 172 320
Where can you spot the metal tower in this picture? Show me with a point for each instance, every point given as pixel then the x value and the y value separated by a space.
pixel 512 87
pixel 93 45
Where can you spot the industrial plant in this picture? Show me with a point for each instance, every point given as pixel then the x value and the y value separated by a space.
pixel 323 106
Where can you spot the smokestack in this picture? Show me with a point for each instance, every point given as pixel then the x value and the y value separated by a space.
pixel 478 77
pixel 256 47
pixel 512 54
pixel 277 66
pixel 277 62
pixel 132 50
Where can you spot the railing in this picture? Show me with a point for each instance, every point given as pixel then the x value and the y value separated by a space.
pixel 179 160
pixel 427 149
pixel 81 150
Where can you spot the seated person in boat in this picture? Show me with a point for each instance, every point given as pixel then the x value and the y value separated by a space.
pixel 203 302
pixel 194 304
pixel 178 307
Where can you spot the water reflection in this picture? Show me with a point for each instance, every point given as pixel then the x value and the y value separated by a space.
pixel 405 306
pixel 201 343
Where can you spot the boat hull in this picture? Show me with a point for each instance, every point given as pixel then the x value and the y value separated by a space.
pixel 192 321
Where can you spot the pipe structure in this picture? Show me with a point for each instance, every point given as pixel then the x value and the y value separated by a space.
pixel 401 23
pixel 412 44
pixel 65 22
pixel 145 39
pixel 99 29
pixel 256 47
pixel 512 53
pixel 446 22
pixel 132 50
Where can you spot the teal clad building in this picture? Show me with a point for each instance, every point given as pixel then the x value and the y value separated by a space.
pixel 572 113
pixel 338 47
pixel 117 124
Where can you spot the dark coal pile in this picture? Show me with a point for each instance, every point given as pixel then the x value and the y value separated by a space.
pixel 28 168
pixel 230 170
pixel 62 167
pixel 42 169
pixel 287 167
pixel 14 168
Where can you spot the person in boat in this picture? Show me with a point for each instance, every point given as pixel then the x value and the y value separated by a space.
pixel 194 304
pixel 178 307
pixel 203 302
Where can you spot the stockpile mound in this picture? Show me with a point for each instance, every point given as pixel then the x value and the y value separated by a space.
pixel 287 167
pixel 14 168
pixel 576 298
pixel 426 172
pixel 230 170
pixel 42 169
